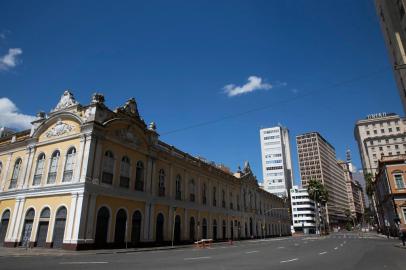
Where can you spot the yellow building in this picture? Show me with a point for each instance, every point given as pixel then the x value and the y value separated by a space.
pixel 87 176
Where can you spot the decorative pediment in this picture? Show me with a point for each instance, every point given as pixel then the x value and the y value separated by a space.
pixel 130 107
pixel 127 136
pixel 67 100
pixel 59 129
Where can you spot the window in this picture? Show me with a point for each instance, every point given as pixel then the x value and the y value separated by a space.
pixel 161 183
pixel 397 128
pixel 53 168
pixel 214 196
pixel 192 190
pixel 125 172
pixel 139 176
pixel 69 165
pixel 368 132
pixel 399 181
pixel 375 131
pixel 16 173
pixel 178 194
pixel 39 170
pixel 204 198
pixel 108 168
pixel 231 200
pixel 371 142
pixel 390 129
pixel 382 130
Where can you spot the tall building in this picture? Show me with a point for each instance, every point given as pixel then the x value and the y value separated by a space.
pixel 380 134
pixel 276 160
pixel 354 192
pixel 317 160
pixel 87 176
pixel 303 211
pixel 393 24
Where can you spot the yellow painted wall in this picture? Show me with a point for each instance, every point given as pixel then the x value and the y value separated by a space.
pixel 74 124
pixel 39 203
pixel 7 204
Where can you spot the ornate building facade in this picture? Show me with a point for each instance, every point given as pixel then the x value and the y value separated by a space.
pixel 86 176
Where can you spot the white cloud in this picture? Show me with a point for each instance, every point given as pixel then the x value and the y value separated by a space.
pixel 11 117
pixel 10 59
pixel 254 83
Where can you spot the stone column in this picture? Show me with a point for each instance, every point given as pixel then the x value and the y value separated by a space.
pixel 27 172
pixel 79 224
pixel 98 162
pixel 12 234
pixel 91 218
pixel 79 159
pixel 149 222
pixel 71 218
pixel 87 161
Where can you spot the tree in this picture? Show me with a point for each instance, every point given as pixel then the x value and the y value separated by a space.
pixel 317 191
pixel 369 184
pixel 319 194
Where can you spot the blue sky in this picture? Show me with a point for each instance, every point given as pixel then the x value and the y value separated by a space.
pixel 315 65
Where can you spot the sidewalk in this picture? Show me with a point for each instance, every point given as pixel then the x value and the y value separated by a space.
pixel 20 252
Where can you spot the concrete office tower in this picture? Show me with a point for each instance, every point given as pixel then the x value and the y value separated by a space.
pixel 276 160
pixel 380 134
pixel 303 211
pixel 393 24
pixel 317 160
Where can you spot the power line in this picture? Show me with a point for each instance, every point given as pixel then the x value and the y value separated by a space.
pixel 236 115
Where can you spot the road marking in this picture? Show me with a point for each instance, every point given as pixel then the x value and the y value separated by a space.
pixel 296 244
pixel 249 252
pixel 291 260
pixel 280 247
pixel 322 253
pixel 83 262
pixel 341 245
pixel 335 248
pixel 197 258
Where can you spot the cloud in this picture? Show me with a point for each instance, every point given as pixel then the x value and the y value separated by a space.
pixel 10 59
pixel 254 83
pixel 11 117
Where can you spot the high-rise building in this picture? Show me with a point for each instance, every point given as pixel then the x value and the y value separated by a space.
pixel 303 211
pixel 393 24
pixel 276 160
pixel 317 160
pixel 380 134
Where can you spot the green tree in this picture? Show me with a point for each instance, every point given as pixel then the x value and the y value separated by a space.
pixel 317 191
pixel 369 184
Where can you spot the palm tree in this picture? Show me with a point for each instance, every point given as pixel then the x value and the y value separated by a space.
pixel 319 194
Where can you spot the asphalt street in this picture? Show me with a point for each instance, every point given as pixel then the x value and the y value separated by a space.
pixel 337 251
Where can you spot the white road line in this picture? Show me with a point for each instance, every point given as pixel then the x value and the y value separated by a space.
pixel 249 252
pixel 335 248
pixel 280 247
pixel 197 258
pixel 322 253
pixel 296 245
pixel 291 260
pixel 83 262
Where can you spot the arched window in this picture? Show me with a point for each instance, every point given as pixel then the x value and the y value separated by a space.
pixel 125 172
pixel 59 227
pixel 214 196
pixel 16 173
pixel 120 228
pixel 204 194
pixel 159 228
pixel 69 165
pixel 108 168
pixel 204 229
pixel 161 183
pixel 214 230
pixel 102 226
pixel 4 225
pixel 231 201
pixel 136 228
pixel 192 189
pixel 178 194
pixel 27 228
pixel 139 176
pixel 53 168
pixel 224 229
pixel 39 170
